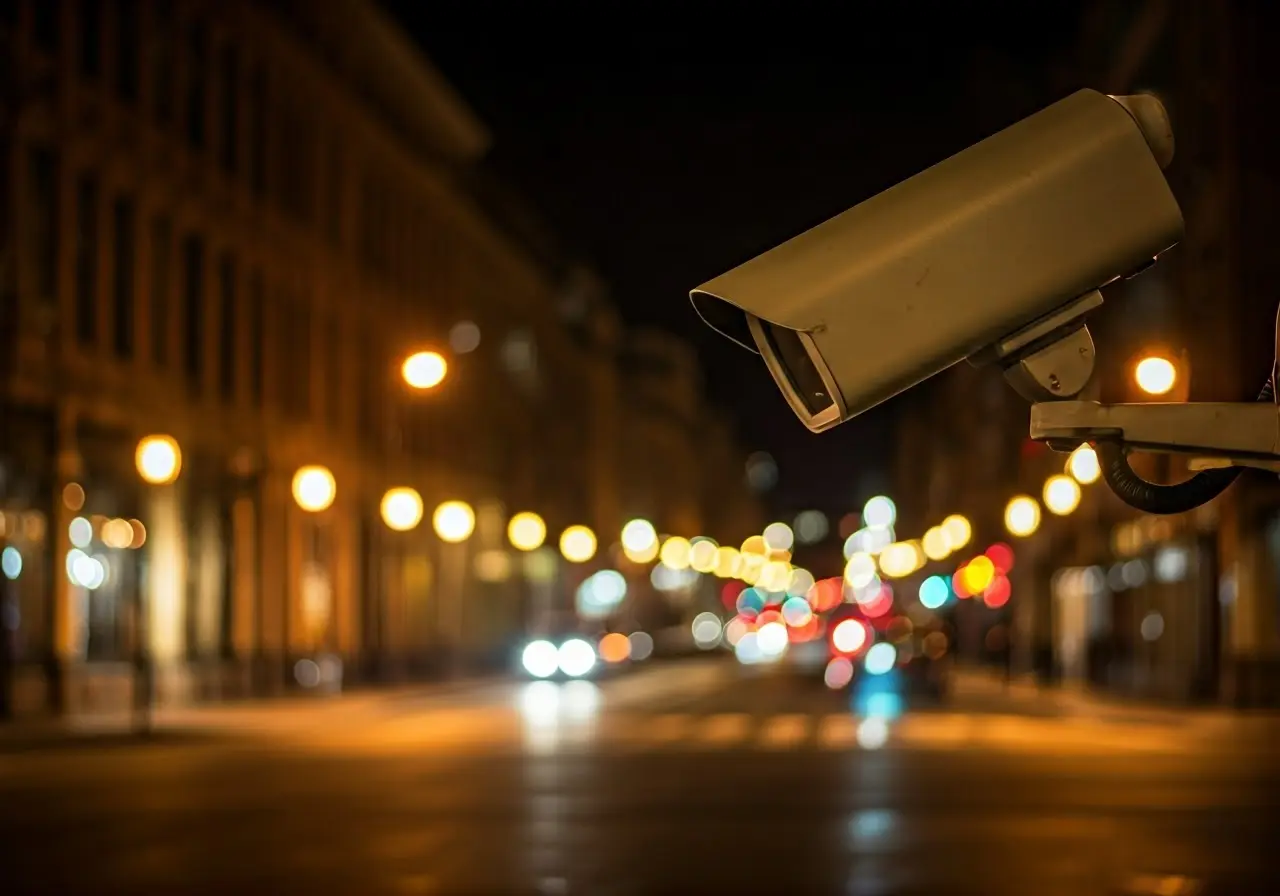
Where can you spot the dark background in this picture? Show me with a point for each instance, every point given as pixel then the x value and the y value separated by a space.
pixel 668 148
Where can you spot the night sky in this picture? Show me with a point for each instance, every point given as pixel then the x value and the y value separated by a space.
pixel 666 149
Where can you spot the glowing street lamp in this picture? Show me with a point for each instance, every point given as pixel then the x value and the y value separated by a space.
pixel 401 509
pixel 577 544
pixel 158 459
pixel 1022 516
pixel 314 488
pixel 1061 494
pixel 1156 375
pixel 526 531
pixel 454 521
pixel 424 370
pixel 1083 465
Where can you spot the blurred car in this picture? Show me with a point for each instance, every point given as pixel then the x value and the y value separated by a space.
pixel 858 654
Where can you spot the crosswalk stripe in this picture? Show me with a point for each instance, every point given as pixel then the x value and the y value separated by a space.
pixel 785 731
pixel 724 728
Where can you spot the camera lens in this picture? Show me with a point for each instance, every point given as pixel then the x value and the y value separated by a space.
pixel 788 349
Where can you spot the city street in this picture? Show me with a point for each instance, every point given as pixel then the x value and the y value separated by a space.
pixel 697 776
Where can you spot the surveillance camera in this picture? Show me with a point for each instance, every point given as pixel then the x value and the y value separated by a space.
pixel 994 250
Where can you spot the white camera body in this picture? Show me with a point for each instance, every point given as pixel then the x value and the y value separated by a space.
pixel 950 262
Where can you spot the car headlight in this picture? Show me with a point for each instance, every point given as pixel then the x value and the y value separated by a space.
pixel 576 657
pixel 540 659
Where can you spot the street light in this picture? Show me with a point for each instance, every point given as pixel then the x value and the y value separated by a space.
pixel 1156 375
pixel 424 370
pixel 454 521
pixel 577 544
pixel 526 531
pixel 158 459
pixel 401 509
pixel 1061 494
pixel 1083 465
pixel 314 488
pixel 1022 516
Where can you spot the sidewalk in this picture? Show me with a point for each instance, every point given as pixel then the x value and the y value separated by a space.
pixel 223 719
pixel 1025 694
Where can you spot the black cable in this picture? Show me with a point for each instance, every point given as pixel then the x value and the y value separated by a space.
pixel 1168 499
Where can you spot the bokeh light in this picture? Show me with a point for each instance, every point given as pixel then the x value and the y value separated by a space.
pixel 1001 556
pixel 934 592
pixel 1061 494
pixel 977 574
pixel 675 553
pixel 702 554
pixel 880 658
pixel 526 531
pixel 839 673
pixel 957 531
pixel 1156 375
pixel 879 511
pixel 1022 516
pixel 997 593
pixel 314 488
pixel 811 526
pixel 424 370
pixel 401 508
pixel 639 536
pixel 1083 465
pixel 158 460
pixel 454 521
pixel 849 636
pixel 577 544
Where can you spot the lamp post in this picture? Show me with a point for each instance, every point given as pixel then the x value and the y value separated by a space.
pixel 158 459
pixel 453 522
pixel 314 490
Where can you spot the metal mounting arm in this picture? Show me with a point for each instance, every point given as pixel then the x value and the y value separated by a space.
pixel 1217 434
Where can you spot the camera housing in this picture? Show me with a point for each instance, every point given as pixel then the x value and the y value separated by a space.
pixel 997 240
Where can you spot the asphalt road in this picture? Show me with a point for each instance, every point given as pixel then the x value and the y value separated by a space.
pixel 696 778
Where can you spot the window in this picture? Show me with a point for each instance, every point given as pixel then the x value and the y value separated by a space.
pixel 229 125
pixel 86 297
pixel 197 92
pixel 127 51
pixel 90 34
pixel 258 132
pixel 45 26
pixel 193 308
pixel 257 336
pixel 161 288
pixel 162 61
pixel 42 221
pixel 227 330
pixel 123 224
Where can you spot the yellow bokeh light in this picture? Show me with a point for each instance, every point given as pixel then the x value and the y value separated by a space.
pixel 454 521
pixel 577 544
pixel 158 459
pixel 424 370
pixel 1156 375
pixel 526 531
pixel 314 488
pixel 860 570
pixel 728 562
pixel 900 559
pixel 702 555
pixel 750 567
pixel 978 574
pixel 646 555
pixel 1022 516
pixel 1061 494
pixel 774 576
pixel 1083 465
pixel 755 545
pixel 935 544
pixel 957 531
pixel 675 553
pixel 638 536
pixel 401 509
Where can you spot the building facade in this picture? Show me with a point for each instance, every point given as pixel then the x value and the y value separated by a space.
pixel 1181 607
pixel 230 223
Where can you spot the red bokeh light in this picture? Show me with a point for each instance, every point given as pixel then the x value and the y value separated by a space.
pixel 766 617
pixel 997 593
pixel 729 593
pixel 1001 557
pixel 807 632
pixel 879 605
